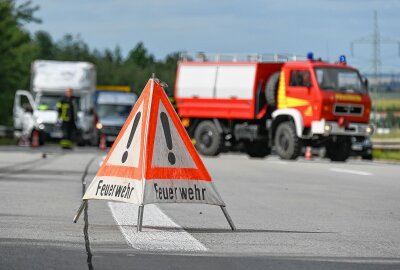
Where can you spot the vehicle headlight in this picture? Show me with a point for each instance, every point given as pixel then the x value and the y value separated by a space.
pixel 327 128
pixel 39 120
pixel 369 130
pixel 41 126
pixel 99 125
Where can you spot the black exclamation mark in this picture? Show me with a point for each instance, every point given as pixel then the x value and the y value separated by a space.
pixel 134 126
pixel 167 133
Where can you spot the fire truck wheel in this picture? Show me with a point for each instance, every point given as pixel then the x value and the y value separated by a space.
pixel 287 144
pixel 272 88
pixel 367 157
pixel 208 140
pixel 257 149
pixel 338 149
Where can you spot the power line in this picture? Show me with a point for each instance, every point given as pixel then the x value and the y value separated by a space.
pixel 375 40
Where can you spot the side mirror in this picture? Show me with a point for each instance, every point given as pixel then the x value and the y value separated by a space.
pixel 366 83
pixel 27 108
pixel 79 114
pixel 90 111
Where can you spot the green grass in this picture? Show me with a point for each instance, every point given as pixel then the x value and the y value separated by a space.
pixel 394 134
pixel 384 104
pixel 386 154
pixel 386 100
pixel 7 141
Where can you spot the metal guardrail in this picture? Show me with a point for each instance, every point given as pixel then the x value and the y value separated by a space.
pixel 386 144
pixel 6 131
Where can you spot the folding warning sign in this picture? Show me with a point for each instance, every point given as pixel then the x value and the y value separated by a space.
pixel 153 160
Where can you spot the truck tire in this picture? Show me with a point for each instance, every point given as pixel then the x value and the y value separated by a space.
pixel 287 144
pixel 338 149
pixel 367 157
pixel 208 140
pixel 257 149
pixel 78 137
pixel 271 89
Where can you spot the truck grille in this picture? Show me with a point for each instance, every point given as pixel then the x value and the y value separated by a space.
pixel 111 130
pixel 348 109
pixel 49 128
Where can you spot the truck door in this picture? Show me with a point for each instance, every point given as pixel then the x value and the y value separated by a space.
pixel 299 93
pixel 85 119
pixel 24 106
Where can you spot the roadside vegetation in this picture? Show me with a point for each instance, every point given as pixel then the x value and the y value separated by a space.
pixel 388 103
pixel 19 48
pixel 7 141
pixel 386 154
pixel 393 134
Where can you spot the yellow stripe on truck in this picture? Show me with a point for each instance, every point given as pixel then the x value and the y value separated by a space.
pixel 288 102
pixel 282 92
pixel 296 102
pixel 347 97
pixel 120 88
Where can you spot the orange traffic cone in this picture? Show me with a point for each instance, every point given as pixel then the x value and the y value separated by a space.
pixel 308 154
pixel 103 142
pixel 35 139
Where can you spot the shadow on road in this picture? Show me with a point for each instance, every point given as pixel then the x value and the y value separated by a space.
pixel 219 230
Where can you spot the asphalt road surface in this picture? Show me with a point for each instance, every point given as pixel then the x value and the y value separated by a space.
pixel 289 215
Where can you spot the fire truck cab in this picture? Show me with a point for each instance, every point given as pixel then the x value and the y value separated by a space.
pixel 264 102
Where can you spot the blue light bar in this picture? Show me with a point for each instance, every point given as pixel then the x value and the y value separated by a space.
pixel 310 56
pixel 342 59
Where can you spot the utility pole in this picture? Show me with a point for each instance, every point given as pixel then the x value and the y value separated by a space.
pixel 375 40
pixel 376 45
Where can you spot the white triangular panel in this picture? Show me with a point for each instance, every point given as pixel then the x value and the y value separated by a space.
pixel 133 152
pixel 162 155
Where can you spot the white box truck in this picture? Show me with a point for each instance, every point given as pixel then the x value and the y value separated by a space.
pixel 36 109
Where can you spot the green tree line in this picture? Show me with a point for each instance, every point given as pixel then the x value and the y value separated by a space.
pixel 19 48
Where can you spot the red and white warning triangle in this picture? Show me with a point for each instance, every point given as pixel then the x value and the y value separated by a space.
pixel 153 159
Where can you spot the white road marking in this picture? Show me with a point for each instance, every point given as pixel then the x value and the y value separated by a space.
pixel 350 171
pixel 102 160
pixel 279 162
pixel 165 235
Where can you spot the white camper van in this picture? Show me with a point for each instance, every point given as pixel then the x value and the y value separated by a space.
pixel 36 109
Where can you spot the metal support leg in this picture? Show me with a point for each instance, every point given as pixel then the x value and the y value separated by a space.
pixel 78 214
pixel 140 218
pixel 228 218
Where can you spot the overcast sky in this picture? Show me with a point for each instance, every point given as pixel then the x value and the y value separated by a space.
pixel 325 27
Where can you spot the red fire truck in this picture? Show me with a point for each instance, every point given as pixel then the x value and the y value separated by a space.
pixel 262 101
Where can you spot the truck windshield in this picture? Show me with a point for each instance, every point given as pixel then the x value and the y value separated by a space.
pixel 113 110
pixel 48 102
pixel 339 80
